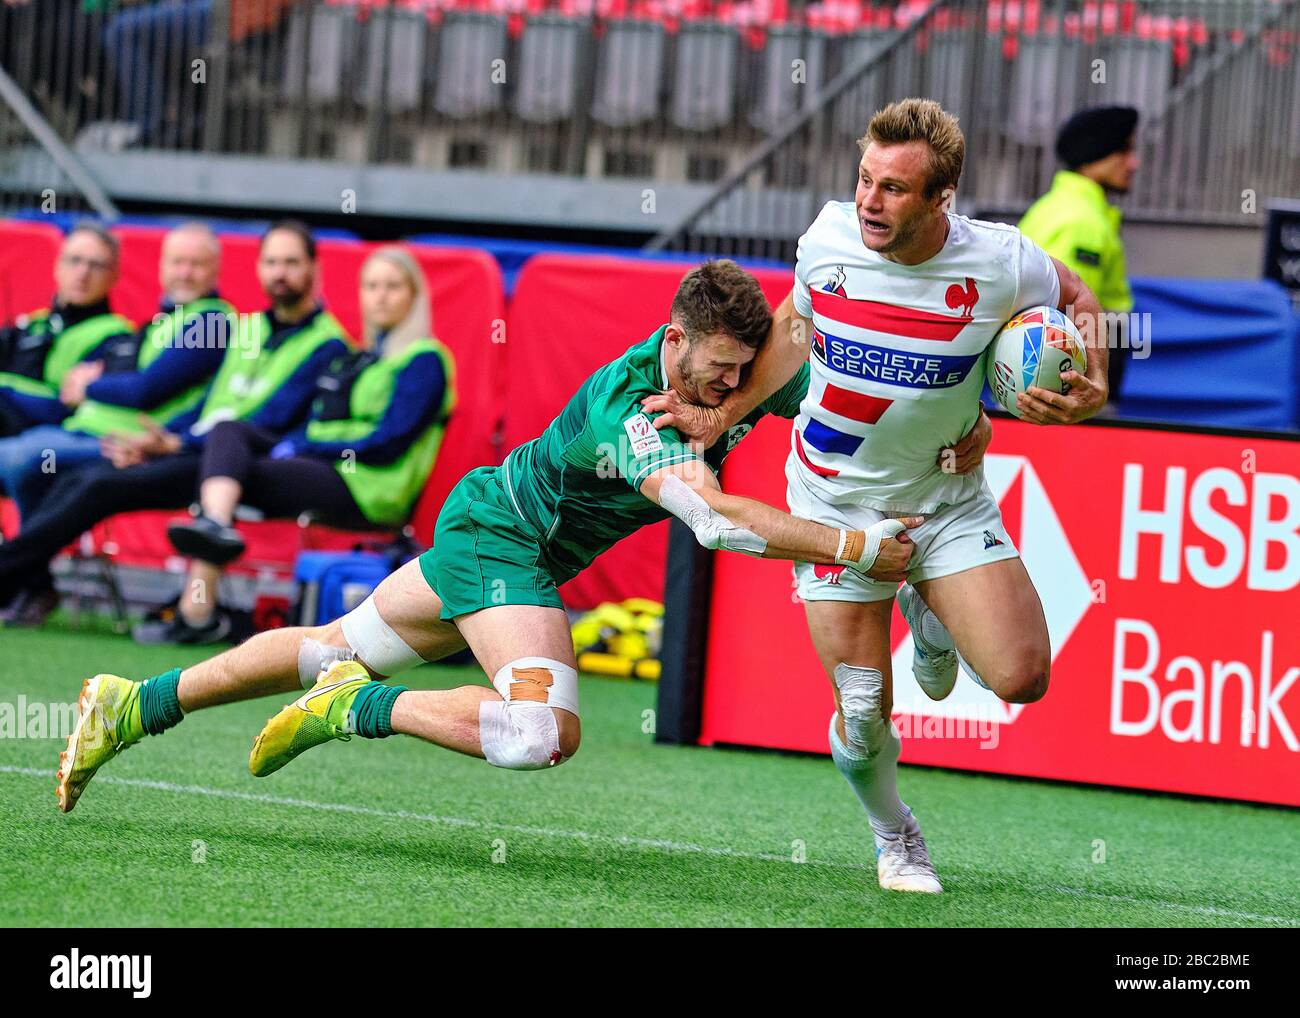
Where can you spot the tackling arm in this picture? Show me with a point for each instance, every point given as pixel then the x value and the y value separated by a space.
pixel 778 360
pixel 690 492
pixel 786 348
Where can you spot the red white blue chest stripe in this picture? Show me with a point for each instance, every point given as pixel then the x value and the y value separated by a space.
pixel 896 348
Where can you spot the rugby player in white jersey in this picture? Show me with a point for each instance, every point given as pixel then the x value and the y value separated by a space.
pixel 900 298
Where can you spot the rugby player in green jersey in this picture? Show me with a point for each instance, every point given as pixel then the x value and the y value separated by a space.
pixel 506 538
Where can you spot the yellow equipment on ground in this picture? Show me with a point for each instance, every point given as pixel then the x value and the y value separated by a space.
pixel 620 639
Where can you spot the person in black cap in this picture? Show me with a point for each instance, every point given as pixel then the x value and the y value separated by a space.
pixel 1076 222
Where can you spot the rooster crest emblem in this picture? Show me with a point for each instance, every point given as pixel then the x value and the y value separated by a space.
pixel 961 298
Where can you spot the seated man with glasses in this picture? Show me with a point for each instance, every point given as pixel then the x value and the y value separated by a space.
pixel 40 348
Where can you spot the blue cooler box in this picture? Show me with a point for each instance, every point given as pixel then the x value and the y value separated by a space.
pixel 332 583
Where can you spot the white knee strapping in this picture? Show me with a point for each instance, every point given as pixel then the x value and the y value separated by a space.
pixel 540 680
pixel 861 694
pixel 373 640
pixel 521 733
pixel 315 657
pixel 519 736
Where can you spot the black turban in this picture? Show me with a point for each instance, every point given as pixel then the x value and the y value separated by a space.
pixel 1094 134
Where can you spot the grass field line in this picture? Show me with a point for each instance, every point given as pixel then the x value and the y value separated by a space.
pixel 626 841
pixel 1199 909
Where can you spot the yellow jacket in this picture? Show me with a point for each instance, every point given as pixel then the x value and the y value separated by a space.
pixel 1075 223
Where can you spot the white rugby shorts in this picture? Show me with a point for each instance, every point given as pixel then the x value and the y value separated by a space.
pixel 952 539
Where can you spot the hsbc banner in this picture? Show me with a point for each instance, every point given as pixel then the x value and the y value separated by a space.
pixel 1168 564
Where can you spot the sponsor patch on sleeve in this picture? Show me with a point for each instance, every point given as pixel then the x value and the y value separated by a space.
pixel 642 434
pixel 1087 257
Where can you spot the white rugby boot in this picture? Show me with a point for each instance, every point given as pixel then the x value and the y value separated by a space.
pixel 903 861
pixel 934 655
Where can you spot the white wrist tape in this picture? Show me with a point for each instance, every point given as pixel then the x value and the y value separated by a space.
pixel 871 539
pixel 711 528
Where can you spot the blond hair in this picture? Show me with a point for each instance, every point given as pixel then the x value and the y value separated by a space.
pixel 418 323
pixel 922 120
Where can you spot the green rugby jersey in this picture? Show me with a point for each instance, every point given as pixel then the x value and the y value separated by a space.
pixel 577 484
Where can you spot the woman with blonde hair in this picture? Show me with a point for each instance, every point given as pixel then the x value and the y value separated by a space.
pixel 360 460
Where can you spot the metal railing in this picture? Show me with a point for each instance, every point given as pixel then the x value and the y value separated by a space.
pixel 35 163
pixel 758 102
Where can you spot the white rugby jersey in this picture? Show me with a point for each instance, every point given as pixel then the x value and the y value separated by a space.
pixel 897 358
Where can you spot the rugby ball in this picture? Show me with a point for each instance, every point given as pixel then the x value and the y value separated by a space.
pixel 1035 347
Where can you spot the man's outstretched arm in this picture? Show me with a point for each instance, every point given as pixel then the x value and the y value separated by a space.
pixel 785 349
pixel 732 522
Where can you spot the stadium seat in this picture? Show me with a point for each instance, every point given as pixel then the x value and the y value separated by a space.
pixel 8 517
pixel 1139 72
pixel 1289 139
pixel 468 43
pixel 1233 107
pixel 778 96
pixel 397 38
pixel 321 44
pixel 27 255
pixel 874 89
pixel 629 74
pixel 1045 81
pixel 947 68
pixel 1242 334
pixel 704 77
pixel 551 56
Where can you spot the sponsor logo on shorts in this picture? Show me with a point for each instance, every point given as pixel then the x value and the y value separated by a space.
pixel 991 539
pixel 831 574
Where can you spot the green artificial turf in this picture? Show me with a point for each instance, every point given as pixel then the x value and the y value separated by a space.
pixel 176 831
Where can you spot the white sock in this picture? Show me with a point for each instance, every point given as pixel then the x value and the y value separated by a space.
pixel 874 781
pixel 971 672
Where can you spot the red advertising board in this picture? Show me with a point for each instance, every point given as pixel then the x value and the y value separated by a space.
pixel 1168 564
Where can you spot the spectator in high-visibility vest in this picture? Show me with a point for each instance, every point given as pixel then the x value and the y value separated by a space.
pixel 1076 222
pixel 161 372
pixel 43 346
pixel 267 376
pixel 360 460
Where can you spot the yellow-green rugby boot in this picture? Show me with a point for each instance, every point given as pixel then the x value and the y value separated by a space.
pixel 108 721
pixel 320 715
